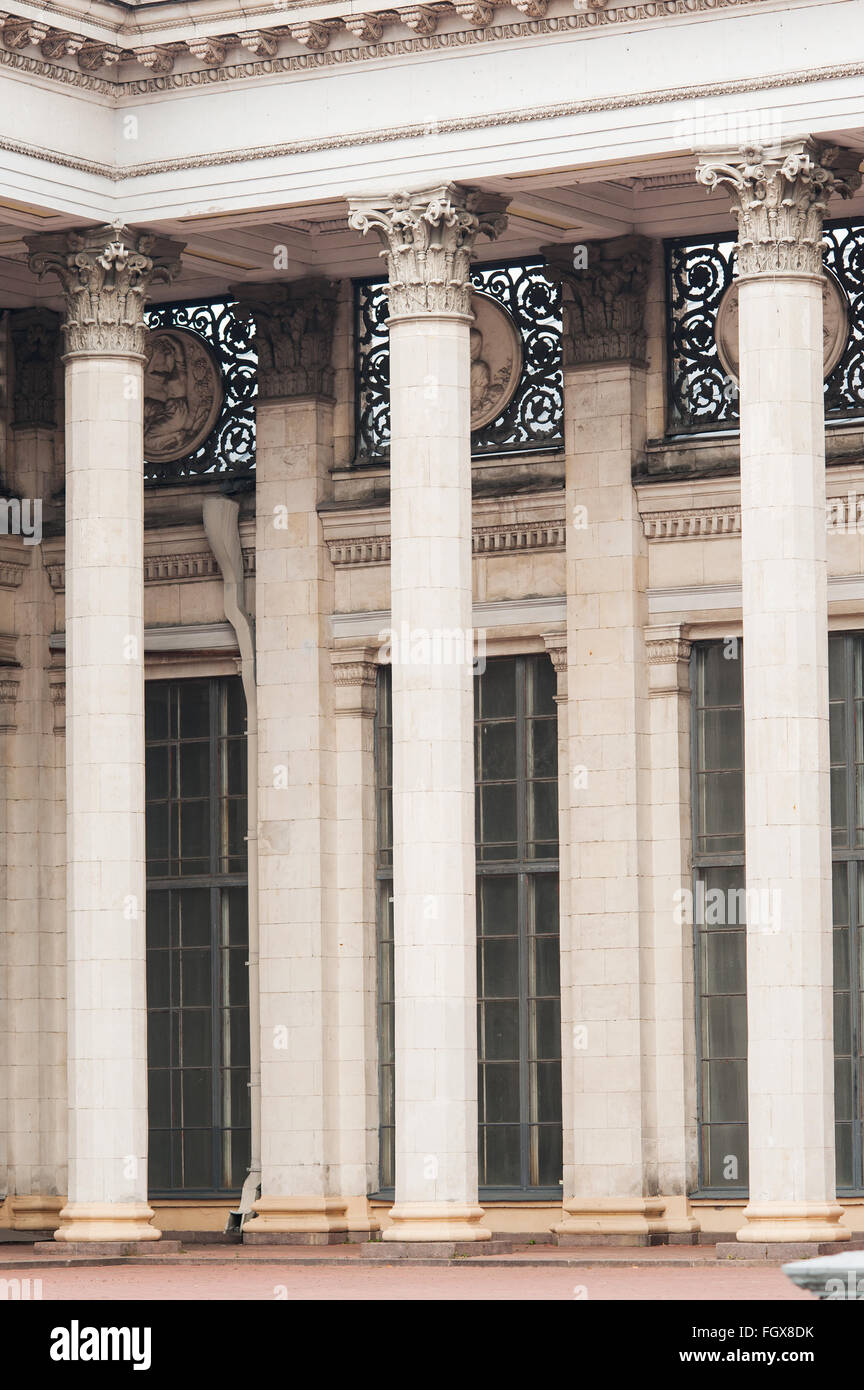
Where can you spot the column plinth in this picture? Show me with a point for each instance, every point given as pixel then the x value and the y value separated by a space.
pixel 780 198
pixel 428 238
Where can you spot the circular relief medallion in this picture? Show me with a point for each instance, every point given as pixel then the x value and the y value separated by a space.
pixel 835 326
pixel 183 394
pixel 496 360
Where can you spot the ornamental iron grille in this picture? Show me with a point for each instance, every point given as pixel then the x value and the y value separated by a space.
pixel 229 449
pixel 533 420
pixel 701 395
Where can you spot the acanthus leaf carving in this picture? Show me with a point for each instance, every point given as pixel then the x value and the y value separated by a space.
pixel 315 37
pixel 780 198
pixel 57 44
pixel 479 12
pixel 420 19
pixel 604 301
pixel 105 273
pixel 428 237
pixel 262 44
pixel 20 33
pixel 294 335
pixel 35 337
pixel 211 51
pixel 367 27
pixel 158 60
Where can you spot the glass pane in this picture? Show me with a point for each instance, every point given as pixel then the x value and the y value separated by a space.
pixel 720 672
pixel 499 1091
pixel 542 748
pixel 542 686
pixel 548 1140
pixel 156 706
pixel 497 687
pixel 499 959
pixel 498 813
pixel 497 902
pixel 499 1031
pixel 194 769
pixel 496 752
pixel 500 1159
pixel 543 811
pixel 194 708
pixel 197 1102
pixel 721 739
pixel 725 1156
pixel 194 915
pixel 198 1158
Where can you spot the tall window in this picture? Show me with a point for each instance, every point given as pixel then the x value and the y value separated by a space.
pixel 719 916
pixel 519 1011
pixel 197 937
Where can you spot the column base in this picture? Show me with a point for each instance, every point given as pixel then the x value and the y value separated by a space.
pixel 444 1222
pixel 785 1223
pixel 35 1213
pixel 107 1221
pixel 613 1221
pixel 298 1217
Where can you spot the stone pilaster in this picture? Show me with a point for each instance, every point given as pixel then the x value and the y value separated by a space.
pixel 296 755
pixel 104 275
pixel 34 920
pixel 779 199
pixel 428 238
pixel 603 835
pixel 353 1093
pixel 669 1036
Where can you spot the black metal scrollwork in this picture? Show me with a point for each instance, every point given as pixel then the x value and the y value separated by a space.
pixel 844 255
pixel 230 447
pixel 532 420
pixel 701 396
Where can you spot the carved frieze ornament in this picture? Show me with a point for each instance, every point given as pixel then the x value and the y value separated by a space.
pixel 293 335
pixel 780 197
pixel 603 299
pixel 105 274
pixel 428 238
pixel 35 340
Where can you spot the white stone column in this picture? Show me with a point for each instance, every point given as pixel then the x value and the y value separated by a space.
pixel 428 237
pixel 606 1178
pixel 104 273
pixel 780 198
pixel 296 793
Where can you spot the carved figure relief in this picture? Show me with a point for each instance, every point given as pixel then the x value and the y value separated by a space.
pixel 496 360
pixel 183 394
pixel 835 326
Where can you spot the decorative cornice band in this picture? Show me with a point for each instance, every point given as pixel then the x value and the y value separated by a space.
pixel 485 540
pixel 165 569
pixel 93 56
pixel 663 650
pixel 693 523
pixel 11 574
pixel 453 126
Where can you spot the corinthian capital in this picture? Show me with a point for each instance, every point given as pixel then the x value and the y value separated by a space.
pixel 603 298
pixel 780 197
pixel 105 273
pixel 293 335
pixel 428 238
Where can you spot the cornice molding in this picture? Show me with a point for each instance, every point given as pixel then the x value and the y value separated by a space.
pixel 181 568
pixel 93 56
pixel 503 539
pixel 359 139
pixel 693 523
pixel 12 573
